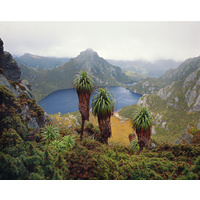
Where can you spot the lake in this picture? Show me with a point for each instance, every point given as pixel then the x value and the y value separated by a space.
pixel 64 101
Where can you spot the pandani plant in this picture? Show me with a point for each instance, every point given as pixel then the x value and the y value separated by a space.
pixel 103 105
pixel 84 87
pixel 50 133
pixel 142 123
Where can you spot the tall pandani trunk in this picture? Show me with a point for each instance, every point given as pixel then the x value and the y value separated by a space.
pixel 143 139
pixel 105 128
pixel 84 103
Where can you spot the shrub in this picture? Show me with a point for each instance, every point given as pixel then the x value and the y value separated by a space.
pixel 193 130
pixel 67 142
pixel 196 168
pixel 1 71
pixel 50 133
pixel 9 138
pixel 134 146
pixel 21 87
pixel 15 122
pixel 13 83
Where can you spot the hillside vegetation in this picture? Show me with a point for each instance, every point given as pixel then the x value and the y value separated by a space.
pixel 121 127
pixel 89 159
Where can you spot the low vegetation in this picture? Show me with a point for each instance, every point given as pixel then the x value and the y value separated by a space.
pixel 68 158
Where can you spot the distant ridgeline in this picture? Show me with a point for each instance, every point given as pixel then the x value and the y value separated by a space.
pixel 40 61
pixel 174 100
pixel 18 108
pixel 46 81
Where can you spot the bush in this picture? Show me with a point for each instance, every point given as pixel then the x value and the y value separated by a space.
pixel 50 133
pixel 15 122
pixel 134 146
pixel 67 142
pixel 1 71
pixel 193 130
pixel 9 138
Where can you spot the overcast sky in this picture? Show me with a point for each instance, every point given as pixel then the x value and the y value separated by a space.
pixel 111 40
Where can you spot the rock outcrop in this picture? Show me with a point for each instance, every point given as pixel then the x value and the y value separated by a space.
pixel 21 89
pixel 186 136
pixel 9 65
pixel 191 89
pixel 143 101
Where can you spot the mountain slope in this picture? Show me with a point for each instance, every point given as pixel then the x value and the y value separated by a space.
pixel 18 108
pixel 175 106
pixel 46 81
pixel 152 85
pixel 40 61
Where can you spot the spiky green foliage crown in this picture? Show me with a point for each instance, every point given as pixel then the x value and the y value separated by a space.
pixel 83 82
pixel 50 133
pixel 142 119
pixel 103 103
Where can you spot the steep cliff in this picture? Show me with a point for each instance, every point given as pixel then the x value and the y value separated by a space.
pixel 18 107
pixel 9 65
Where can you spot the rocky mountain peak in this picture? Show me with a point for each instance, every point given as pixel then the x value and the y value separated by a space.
pixel 89 51
pixel 88 54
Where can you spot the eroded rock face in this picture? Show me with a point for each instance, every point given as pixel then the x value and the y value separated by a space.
pixel 1 46
pixel 13 72
pixel 9 65
pixel 165 93
pixel 191 88
pixel 186 136
pixel 143 101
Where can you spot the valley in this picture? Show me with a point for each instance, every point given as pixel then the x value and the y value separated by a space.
pixel 35 145
pixel 46 81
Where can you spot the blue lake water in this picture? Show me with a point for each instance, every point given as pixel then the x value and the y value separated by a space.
pixel 64 101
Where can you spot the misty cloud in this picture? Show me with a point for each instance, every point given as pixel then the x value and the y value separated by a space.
pixel 112 40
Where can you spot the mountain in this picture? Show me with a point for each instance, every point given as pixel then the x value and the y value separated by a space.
pixel 46 81
pixel 175 106
pixel 8 64
pixel 147 68
pixel 40 61
pixel 151 85
pixel 19 110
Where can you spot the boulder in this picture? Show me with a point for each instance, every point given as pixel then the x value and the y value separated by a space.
pixel 164 125
pixel 153 130
pixel 5 82
pixel 152 146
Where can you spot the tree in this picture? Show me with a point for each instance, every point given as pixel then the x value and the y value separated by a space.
pixel 103 105
pixel 84 88
pixel 142 123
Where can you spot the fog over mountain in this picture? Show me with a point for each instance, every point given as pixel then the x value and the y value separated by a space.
pixel 129 40
pixel 148 68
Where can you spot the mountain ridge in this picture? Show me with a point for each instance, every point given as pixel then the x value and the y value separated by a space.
pixel 151 85
pixel 46 81
pixel 40 61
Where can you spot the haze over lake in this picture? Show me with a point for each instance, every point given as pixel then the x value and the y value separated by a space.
pixel 64 101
